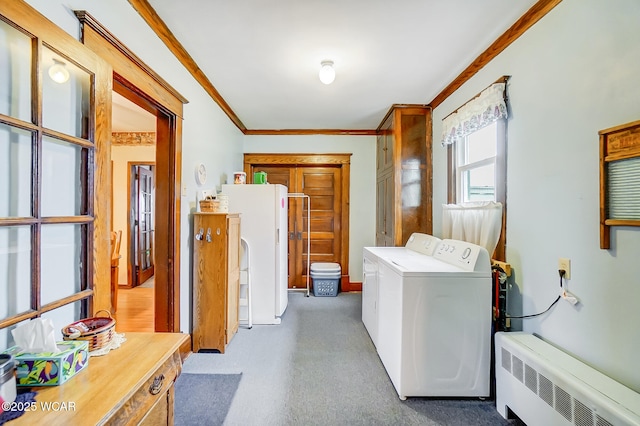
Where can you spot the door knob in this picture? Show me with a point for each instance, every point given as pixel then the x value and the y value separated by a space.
pixel 200 234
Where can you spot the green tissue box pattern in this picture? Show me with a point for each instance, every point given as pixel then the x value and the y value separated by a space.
pixel 50 369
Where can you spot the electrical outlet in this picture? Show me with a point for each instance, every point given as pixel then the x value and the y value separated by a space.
pixel 565 263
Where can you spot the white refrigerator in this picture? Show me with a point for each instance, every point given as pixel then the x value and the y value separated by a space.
pixel 264 225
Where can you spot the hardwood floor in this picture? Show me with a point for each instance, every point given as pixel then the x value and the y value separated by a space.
pixel 135 310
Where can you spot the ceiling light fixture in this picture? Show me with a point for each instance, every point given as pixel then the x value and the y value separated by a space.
pixel 327 74
pixel 58 72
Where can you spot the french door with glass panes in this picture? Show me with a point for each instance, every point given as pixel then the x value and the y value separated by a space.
pixel 55 100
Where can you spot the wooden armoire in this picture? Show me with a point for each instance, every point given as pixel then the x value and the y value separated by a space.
pixel 216 280
pixel 404 174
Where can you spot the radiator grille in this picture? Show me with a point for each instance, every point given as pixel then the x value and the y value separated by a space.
pixel 517 368
pixel 602 422
pixel 545 390
pixel 556 397
pixel 531 378
pixel 506 360
pixel 563 402
pixel 582 415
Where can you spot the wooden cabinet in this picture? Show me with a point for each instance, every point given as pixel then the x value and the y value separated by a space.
pixel 403 175
pixel 131 385
pixel 216 280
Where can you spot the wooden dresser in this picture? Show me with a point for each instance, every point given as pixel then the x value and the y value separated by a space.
pixel 216 280
pixel 404 175
pixel 131 385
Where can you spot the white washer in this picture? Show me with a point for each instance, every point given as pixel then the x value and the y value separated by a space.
pixel 417 245
pixel 434 335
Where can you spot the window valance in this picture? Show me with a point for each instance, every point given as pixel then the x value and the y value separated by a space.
pixel 489 106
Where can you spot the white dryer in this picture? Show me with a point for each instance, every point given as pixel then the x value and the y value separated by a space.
pixel 434 335
pixel 418 244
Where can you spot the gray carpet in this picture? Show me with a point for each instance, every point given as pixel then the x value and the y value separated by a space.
pixel 204 399
pixel 319 367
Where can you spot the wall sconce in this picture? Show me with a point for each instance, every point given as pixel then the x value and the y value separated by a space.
pixel 327 74
pixel 58 72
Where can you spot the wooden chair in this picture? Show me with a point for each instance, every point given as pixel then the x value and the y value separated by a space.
pixel 116 238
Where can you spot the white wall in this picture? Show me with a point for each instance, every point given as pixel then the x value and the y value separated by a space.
pixel 362 214
pixel 574 73
pixel 208 134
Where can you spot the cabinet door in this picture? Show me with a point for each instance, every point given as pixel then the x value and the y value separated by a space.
pixel 385 145
pixel 160 413
pixel 209 281
pixel 385 208
pixel 233 267
pixel 380 211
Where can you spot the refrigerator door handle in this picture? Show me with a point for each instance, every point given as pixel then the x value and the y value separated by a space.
pixel 277 236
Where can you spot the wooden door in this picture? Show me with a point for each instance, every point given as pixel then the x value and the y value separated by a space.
pixel 385 208
pixel 323 185
pixel 54 172
pixel 286 175
pixel 144 248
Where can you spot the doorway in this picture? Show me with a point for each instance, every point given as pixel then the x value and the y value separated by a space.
pixel 325 179
pixel 147 307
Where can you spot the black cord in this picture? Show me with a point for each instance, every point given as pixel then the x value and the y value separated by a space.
pixel 561 272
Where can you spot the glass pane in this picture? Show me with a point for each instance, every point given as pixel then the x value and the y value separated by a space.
pixel 481 144
pixel 15 172
pixel 62 189
pixel 61 261
pixel 65 95
pixel 479 184
pixel 15 270
pixel 15 73
pixel 64 316
pixel 6 338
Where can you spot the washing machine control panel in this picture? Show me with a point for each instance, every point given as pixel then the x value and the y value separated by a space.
pixel 467 256
pixel 422 243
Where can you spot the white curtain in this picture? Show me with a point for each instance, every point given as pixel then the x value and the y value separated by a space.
pixel 478 223
pixel 487 107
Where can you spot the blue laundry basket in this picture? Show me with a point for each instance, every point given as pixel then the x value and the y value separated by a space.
pixel 325 277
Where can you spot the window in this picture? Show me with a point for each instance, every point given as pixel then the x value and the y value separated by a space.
pixel 475 136
pixel 476 166
pixel 478 170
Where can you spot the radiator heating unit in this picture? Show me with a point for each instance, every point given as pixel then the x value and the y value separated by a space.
pixel 543 385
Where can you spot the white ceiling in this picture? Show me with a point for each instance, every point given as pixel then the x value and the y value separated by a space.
pixel 129 117
pixel 263 56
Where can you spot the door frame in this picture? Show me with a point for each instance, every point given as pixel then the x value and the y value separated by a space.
pixel 133 79
pixel 343 160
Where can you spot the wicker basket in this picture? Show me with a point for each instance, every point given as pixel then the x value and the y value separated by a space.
pixel 98 331
pixel 209 206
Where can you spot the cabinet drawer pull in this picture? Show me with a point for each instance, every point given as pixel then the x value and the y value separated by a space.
pixel 156 386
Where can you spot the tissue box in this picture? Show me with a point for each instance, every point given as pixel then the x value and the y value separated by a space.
pixel 50 369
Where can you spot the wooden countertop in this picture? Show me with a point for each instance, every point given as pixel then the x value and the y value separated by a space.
pixel 101 389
